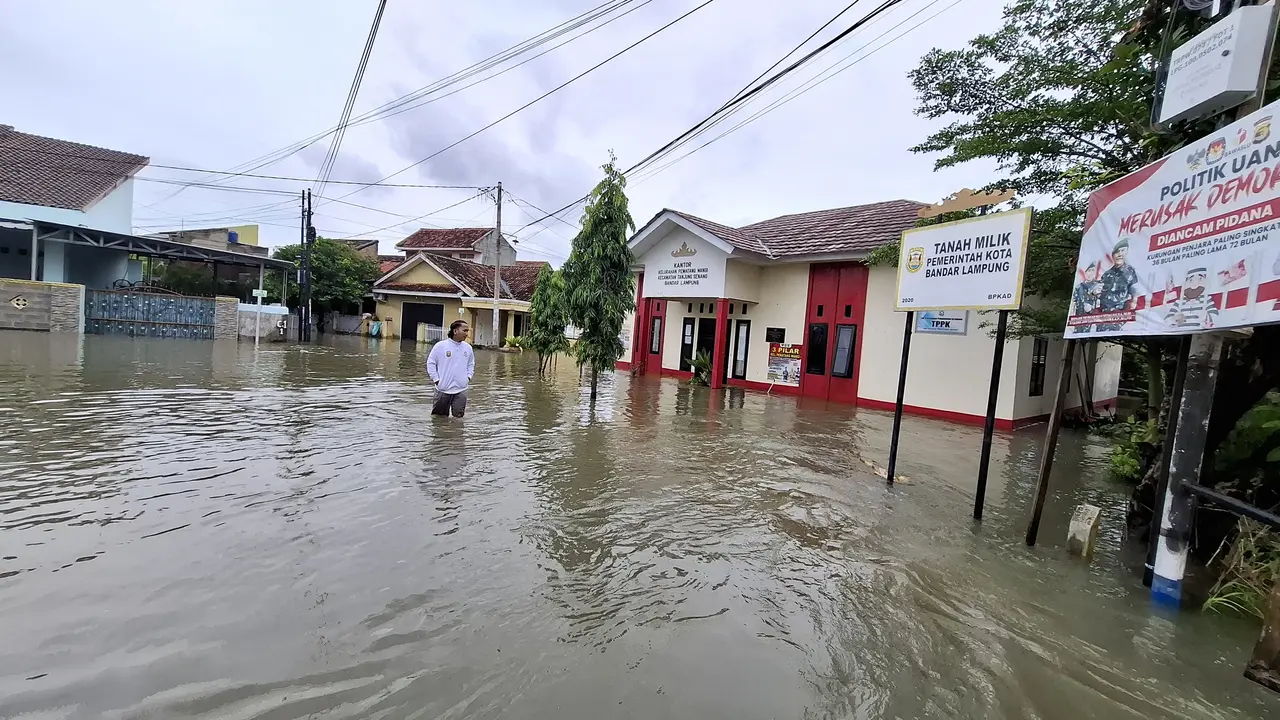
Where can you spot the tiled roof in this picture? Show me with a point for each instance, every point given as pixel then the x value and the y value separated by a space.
pixel 851 229
pixel 387 263
pixel 421 287
pixel 522 277
pixel 36 170
pixel 733 236
pixel 444 238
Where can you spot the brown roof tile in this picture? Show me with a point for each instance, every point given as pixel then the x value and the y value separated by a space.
pixel 387 263
pixel 36 170
pixel 522 277
pixel 421 287
pixel 850 229
pixel 444 239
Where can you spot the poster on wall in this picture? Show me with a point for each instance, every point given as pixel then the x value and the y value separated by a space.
pixel 784 364
pixel 1188 243
pixel 971 264
pixel 942 322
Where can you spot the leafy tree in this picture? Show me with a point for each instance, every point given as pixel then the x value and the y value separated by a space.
pixel 548 317
pixel 597 276
pixel 340 276
pixel 1060 98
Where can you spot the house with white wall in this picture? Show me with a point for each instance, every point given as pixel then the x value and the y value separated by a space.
pixel 794 295
pixel 55 181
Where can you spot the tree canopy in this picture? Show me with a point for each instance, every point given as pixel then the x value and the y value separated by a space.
pixel 548 317
pixel 600 289
pixel 340 276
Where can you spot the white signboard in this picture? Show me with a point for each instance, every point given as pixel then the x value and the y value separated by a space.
pixel 943 322
pixel 973 264
pixel 682 265
pixel 259 293
pixel 1190 242
pixel 1218 68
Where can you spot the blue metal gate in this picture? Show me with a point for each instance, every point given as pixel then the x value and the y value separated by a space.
pixel 124 312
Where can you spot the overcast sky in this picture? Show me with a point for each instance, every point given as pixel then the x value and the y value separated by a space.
pixel 214 84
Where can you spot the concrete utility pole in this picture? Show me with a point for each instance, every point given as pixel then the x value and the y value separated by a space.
pixel 257 320
pixel 497 270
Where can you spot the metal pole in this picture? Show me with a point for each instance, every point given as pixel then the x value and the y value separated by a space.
pixel 1166 456
pixel 1051 439
pixel 1184 467
pixel 902 391
pixel 257 320
pixel 497 270
pixel 302 247
pixel 988 429
pixel 35 251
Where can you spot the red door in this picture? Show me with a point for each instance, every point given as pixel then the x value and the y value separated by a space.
pixel 824 284
pixel 845 350
pixel 653 336
pixel 833 337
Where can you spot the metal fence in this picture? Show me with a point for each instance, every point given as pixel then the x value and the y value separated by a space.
pixel 148 314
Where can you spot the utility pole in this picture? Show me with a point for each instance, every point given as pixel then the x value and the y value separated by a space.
pixel 302 244
pixel 304 299
pixel 497 270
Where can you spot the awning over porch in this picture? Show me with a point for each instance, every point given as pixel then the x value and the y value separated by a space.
pixel 153 246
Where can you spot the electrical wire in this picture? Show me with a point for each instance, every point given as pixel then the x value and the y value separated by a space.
pixel 812 82
pixel 426 215
pixel 326 167
pixel 738 99
pixel 490 62
pixel 542 96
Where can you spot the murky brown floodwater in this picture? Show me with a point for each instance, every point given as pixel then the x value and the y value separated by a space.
pixel 196 530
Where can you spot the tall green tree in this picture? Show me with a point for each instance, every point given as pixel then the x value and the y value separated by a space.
pixel 600 289
pixel 1059 99
pixel 340 276
pixel 548 317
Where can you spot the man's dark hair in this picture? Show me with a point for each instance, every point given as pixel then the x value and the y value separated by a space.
pixel 454 326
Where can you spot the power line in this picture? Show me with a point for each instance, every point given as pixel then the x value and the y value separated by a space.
pixel 326 167
pixel 542 96
pixel 420 217
pixel 180 168
pixel 738 99
pixel 816 80
pixel 492 61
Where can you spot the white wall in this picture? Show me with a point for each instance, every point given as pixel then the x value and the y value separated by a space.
pixel 742 281
pixel 659 259
pixel 947 372
pixel 785 295
pixel 113 213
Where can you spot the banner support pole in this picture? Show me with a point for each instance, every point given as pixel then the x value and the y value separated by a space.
pixel 902 390
pixel 988 428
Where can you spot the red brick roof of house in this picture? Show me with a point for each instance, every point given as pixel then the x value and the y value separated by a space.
pixel 522 277
pixel 387 263
pixel 444 239
pixel 859 228
pixel 37 170
pixel 421 287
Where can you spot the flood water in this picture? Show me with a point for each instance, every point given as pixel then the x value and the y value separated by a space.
pixel 191 529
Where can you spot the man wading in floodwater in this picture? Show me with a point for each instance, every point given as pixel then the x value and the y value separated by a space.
pixel 451 365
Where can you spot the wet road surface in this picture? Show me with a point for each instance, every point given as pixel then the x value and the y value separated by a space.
pixel 191 530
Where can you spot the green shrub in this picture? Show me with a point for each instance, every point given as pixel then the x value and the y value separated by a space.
pixel 1135 446
pixel 701 364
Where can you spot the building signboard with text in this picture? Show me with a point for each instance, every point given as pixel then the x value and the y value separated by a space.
pixel 942 322
pixel 971 264
pixel 684 266
pixel 1188 243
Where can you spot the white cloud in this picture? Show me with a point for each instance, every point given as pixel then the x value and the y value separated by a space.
pixel 211 85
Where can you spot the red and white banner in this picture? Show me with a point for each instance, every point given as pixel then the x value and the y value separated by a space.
pixel 1188 243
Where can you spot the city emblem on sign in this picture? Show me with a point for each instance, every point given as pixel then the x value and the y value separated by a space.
pixel 683 251
pixel 1262 130
pixel 915 259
